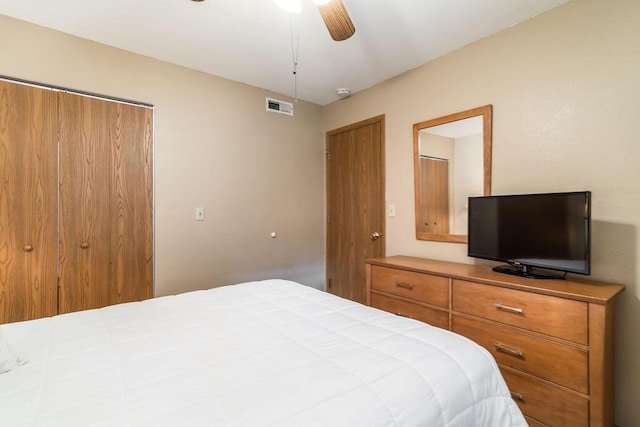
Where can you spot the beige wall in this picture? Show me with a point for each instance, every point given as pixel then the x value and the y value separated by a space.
pixel 565 90
pixel 216 147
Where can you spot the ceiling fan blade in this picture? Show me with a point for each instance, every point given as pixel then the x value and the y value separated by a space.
pixel 337 20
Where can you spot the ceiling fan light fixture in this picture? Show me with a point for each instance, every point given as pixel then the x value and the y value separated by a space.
pixel 291 6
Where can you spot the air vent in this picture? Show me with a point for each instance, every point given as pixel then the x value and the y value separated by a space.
pixel 280 107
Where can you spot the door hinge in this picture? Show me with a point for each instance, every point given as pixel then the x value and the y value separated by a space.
pixel 327 155
pixel 329 284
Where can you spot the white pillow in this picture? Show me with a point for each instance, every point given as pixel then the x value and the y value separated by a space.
pixel 8 360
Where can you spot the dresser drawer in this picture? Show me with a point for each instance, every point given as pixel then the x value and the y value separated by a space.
pixel 428 315
pixel 549 360
pixel 421 287
pixel 545 404
pixel 554 316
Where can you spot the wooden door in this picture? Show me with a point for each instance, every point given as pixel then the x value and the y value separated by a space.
pixel 355 205
pixel 28 202
pixel 105 203
pixel 434 196
pixel 85 163
pixel 131 203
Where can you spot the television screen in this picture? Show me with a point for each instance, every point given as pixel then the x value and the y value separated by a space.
pixel 550 231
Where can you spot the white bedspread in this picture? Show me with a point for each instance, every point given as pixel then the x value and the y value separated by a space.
pixel 269 353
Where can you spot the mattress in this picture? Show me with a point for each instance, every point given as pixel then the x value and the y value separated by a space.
pixel 267 353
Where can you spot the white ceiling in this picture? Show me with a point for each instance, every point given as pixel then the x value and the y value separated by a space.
pixel 250 41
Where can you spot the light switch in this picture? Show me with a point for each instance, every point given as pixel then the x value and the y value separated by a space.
pixel 392 211
pixel 199 214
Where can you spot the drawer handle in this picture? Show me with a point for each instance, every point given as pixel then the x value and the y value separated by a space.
pixel 405 285
pixel 517 396
pixel 507 308
pixel 508 350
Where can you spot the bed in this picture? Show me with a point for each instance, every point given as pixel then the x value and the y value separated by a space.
pixel 266 353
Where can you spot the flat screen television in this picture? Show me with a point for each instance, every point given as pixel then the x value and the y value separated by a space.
pixel 549 231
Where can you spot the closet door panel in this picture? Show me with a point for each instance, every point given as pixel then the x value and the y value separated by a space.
pixel 28 202
pixel 131 203
pixel 85 164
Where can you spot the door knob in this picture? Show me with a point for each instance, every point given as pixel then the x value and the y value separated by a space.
pixel 375 236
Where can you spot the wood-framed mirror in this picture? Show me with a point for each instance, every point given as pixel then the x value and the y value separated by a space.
pixel 452 161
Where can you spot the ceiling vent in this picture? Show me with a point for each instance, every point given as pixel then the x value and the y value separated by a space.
pixel 280 107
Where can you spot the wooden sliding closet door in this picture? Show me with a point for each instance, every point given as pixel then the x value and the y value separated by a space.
pixel 105 202
pixel 85 161
pixel 131 203
pixel 434 196
pixel 28 202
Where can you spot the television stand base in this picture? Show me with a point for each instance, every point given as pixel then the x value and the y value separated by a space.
pixel 526 271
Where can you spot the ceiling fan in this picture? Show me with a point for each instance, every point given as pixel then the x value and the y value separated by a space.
pixel 333 14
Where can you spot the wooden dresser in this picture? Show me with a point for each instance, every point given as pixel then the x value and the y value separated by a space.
pixel 552 339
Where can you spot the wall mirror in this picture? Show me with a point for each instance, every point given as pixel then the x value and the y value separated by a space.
pixel 452 161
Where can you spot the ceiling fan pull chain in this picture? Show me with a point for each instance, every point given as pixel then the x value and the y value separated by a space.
pixel 294 53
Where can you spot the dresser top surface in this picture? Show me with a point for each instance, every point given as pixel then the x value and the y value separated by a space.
pixel 578 289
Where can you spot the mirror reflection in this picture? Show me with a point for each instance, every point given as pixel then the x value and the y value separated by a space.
pixel 452 158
